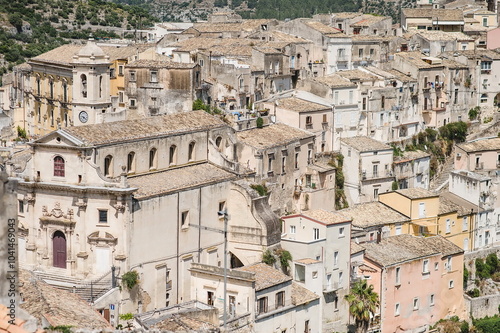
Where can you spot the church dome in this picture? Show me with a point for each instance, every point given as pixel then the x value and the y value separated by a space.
pixel 91 49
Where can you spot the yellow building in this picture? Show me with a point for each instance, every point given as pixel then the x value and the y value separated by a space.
pixel 431 214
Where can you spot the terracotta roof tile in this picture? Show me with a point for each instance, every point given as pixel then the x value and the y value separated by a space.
pixel 481 145
pixel 301 295
pixel 416 193
pixel 364 143
pixel 326 217
pixel 177 179
pixel 300 105
pixel 272 136
pixel 265 275
pixel 119 131
pixel 373 214
pixel 440 14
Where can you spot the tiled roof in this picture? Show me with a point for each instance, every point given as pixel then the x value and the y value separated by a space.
pixel 322 28
pixel 301 295
pixel 446 206
pixel 438 35
pixel 64 54
pixel 415 58
pixel 183 323
pixel 464 207
pixel 416 193
pixel 18 326
pixel 401 76
pixel 357 74
pixel 398 249
pixel 372 214
pixel 204 43
pixel 157 64
pixel 346 15
pixel 364 143
pixel 164 182
pixel 127 130
pixel 272 136
pixel 300 105
pixel 335 81
pixel 410 156
pixel 480 145
pixel 58 307
pixel 326 217
pixel 265 275
pixel 356 248
pixel 431 13
pixel 368 20
pixel 307 261
pixel 245 25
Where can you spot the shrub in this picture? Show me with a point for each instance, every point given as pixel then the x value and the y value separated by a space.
pixel 474 293
pixel 260 122
pixel 474 112
pixel 268 258
pixel 261 189
pixel 130 279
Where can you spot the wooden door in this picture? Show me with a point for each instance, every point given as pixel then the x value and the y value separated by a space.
pixel 59 249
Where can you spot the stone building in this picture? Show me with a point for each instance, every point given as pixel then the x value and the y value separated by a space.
pixel 156 87
pixel 109 185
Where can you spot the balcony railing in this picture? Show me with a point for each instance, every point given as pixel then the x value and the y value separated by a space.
pixel 330 287
pixel 379 174
pixel 479 166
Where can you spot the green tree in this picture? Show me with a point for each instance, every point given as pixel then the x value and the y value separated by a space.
pixel 363 303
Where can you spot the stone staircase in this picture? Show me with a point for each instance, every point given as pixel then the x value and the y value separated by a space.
pixel 442 176
pixel 88 290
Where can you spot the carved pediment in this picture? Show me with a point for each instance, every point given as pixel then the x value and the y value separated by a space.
pixel 57 212
pixel 102 237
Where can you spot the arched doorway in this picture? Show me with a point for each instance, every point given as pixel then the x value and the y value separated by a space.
pixel 59 249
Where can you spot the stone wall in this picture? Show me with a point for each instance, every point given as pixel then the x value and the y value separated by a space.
pixel 480 307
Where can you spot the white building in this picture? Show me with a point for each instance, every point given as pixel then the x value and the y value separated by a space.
pixel 319 242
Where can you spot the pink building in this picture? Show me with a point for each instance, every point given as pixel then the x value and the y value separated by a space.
pixel 478 155
pixel 418 279
pixel 493 39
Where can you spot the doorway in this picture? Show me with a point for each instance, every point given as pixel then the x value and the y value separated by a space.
pixel 59 249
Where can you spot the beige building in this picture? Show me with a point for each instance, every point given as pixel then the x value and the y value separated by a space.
pixel 258 297
pixel 283 158
pixel 432 19
pixel 370 168
pixel 107 186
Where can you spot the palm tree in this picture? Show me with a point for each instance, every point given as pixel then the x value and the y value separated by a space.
pixel 363 302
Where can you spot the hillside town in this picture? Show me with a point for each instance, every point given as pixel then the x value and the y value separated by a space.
pixel 338 173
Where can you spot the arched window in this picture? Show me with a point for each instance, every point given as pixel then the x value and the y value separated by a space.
pixel 191 151
pixel 83 78
pixel 218 142
pixel 108 166
pixel 58 166
pixel 172 155
pixel 152 159
pixel 131 162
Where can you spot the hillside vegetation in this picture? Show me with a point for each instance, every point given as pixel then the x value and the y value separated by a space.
pixel 31 27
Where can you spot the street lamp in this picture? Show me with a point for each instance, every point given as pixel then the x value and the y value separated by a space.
pixel 224 214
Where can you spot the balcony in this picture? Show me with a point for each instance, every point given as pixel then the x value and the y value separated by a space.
pixel 309 125
pixel 479 166
pixel 331 287
pixel 485 71
pixel 374 175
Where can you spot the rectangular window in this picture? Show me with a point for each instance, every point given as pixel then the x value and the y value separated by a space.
pixel 451 284
pixel 465 225
pixel 425 266
pixel 120 70
pixel 210 298
pixel 375 194
pixel 341 278
pixel 415 303
pixel 283 163
pixel 397 309
pixel 341 232
pixel 21 206
pixel 360 53
pixel 316 233
pixel 262 305
pixel 222 207
pixel 185 220
pixel 398 275
pixel 103 216
pixel 448 226
pixel 431 300
pixel 296 160
pixel 399 229
pixel 154 76
pixel 448 263
pixel 292 229
pixel 132 76
pixel 336 258
pixel 280 299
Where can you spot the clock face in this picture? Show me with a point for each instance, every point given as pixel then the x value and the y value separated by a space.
pixel 83 116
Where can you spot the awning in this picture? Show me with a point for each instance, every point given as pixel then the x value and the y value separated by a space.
pixel 425 223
